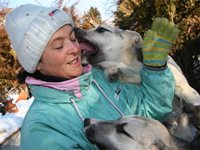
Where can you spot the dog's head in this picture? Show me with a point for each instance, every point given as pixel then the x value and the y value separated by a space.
pixel 181 128
pixel 179 122
pixel 193 112
pixel 101 42
pixel 127 133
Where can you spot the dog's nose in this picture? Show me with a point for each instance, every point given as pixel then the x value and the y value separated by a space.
pixel 79 32
pixel 87 122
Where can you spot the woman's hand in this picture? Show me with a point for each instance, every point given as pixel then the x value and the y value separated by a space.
pixel 158 41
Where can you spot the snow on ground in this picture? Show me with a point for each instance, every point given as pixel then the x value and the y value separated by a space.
pixel 11 122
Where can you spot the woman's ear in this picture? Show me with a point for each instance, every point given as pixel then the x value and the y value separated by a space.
pixel 39 68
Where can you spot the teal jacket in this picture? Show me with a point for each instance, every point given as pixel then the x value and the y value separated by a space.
pixel 55 119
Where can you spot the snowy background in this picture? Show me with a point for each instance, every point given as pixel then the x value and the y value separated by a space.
pixel 11 123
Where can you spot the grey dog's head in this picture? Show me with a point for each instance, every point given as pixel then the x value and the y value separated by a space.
pixel 106 42
pixel 98 133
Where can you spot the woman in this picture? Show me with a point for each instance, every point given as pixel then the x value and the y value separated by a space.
pixel 65 92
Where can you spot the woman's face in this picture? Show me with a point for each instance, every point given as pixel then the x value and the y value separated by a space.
pixel 62 55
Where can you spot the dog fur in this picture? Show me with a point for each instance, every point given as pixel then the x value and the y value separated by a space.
pixel 128 133
pixel 182 126
pixel 119 53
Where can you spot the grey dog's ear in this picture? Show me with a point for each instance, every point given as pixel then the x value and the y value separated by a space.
pixel 136 38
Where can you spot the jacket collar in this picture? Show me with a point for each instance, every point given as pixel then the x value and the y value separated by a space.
pixel 76 86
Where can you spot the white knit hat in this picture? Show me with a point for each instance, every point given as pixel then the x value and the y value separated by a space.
pixel 30 27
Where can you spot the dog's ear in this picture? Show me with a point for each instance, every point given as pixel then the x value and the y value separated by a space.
pixel 136 39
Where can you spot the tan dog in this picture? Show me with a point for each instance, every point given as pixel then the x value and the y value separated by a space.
pixel 119 53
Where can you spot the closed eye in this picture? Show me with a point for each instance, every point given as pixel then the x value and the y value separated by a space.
pixel 101 30
pixel 58 48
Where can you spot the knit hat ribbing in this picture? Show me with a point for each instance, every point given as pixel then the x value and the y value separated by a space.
pixel 30 27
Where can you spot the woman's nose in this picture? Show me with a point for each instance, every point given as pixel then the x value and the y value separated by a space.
pixel 73 48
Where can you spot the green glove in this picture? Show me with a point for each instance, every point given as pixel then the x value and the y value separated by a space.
pixel 158 42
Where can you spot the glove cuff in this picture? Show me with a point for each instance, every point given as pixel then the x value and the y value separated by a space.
pixel 156 68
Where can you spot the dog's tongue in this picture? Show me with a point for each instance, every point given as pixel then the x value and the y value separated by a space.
pixel 86 47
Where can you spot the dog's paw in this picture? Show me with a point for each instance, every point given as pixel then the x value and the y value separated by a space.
pixel 112 73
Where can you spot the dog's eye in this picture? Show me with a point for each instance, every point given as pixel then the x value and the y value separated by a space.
pixel 101 30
